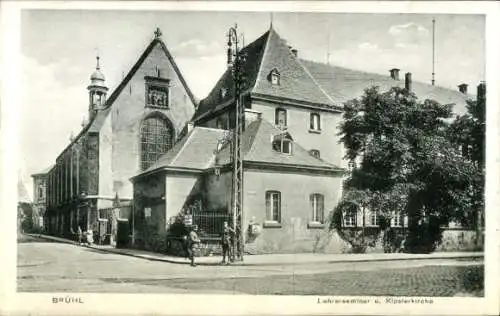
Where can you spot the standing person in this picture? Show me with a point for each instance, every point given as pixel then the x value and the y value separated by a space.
pixel 80 235
pixel 90 237
pixel 191 240
pixel 227 239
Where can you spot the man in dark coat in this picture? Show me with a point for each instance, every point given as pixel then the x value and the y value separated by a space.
pixel 227 240
pixel 190 241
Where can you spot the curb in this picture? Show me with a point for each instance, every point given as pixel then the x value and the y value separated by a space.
pixel 471 256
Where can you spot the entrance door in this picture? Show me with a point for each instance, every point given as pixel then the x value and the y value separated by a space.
pixel 123 233
pixel 103 231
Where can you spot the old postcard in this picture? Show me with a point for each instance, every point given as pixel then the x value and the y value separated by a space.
pixel 249 158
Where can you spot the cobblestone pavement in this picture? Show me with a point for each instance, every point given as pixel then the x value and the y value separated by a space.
pixel 55 267
pixel 422 281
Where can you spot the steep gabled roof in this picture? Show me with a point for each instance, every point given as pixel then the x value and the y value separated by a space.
pixel 295 81
pixel 253 52
pixel 257 147
pixel 194 151
pixel 101 115
pixel 266 53
pixel 311 82
pixel 98 120
pixel 344 84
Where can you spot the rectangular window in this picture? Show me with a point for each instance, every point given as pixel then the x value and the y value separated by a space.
pixel 273 206
pixel 398 220
pixel 317 207
pixel 315 123
pixel 374 219
pixel 350 219
pixel 280 117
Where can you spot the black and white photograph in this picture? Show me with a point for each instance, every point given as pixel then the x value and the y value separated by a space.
pixel 335 156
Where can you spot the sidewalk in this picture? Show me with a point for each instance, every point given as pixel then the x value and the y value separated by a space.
pixel 278 259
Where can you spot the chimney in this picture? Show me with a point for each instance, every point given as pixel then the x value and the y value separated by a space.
pixel 190 126
pixel 294 52
pixel 462 88
pixel 408 81
pixel 394 73
pixel 481 91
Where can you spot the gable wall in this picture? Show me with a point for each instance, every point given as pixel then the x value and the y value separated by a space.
pixel 129 110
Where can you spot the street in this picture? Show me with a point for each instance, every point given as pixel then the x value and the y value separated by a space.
pixel 56 267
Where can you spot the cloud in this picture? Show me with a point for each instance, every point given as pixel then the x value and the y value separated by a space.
pixel 396 30
pixel 367 46
pixel 408 35
pixel 198 48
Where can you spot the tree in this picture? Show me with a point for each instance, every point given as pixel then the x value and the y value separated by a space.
pixel 468 132
pixel 401 152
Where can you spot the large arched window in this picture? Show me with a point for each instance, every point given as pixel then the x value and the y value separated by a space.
pixel 157 137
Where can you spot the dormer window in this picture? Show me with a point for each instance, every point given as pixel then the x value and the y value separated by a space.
pixel 157 92
pixel 223 93
pixel 315 153
pixel 274 77
pixel 283 143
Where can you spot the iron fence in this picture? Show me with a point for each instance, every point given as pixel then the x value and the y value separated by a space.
pixel 211 223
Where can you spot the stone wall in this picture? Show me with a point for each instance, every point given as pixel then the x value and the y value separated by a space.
pixel 460 240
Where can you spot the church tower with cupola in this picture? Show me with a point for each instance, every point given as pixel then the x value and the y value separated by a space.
pixel 97 91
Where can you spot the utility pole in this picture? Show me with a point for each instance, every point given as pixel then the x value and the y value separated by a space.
pixel 235 60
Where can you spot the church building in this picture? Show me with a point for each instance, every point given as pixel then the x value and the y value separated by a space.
pixel 152 152
pixel 126 132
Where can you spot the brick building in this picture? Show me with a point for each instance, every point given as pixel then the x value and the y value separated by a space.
pixel 125 133
pixel 292 159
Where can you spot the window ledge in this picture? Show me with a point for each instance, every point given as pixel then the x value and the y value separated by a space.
pixel 271 224
pixel 315 131
pixel 317 225
pixel 162 107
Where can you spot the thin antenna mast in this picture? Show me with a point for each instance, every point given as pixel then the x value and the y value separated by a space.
pixel 328 49
pixel 433 50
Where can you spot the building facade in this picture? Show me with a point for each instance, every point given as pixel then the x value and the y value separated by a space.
pixel 292 158
pixel 125 133
pixel 150 145
pixel 40 197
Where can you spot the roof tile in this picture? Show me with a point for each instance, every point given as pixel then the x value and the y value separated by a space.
pixel 344 84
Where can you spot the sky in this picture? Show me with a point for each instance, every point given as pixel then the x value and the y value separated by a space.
pixel 58 50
